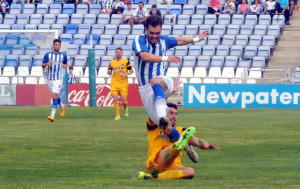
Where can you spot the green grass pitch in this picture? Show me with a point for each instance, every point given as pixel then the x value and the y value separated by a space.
pixel 88 149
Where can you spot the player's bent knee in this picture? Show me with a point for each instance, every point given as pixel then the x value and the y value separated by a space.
pixel 188 173
pixel 155 80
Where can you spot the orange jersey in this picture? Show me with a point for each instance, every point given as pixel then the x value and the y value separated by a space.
pixel 158 141
pixel 119 67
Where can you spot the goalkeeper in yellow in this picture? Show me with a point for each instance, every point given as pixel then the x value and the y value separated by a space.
pixel 121 68
pixel 164 157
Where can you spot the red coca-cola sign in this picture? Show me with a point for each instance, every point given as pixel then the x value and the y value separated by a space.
pixel 79 95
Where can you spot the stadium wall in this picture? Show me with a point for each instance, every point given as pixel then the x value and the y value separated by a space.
pixel 39 95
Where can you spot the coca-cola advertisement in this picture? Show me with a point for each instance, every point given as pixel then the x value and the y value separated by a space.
pixel 79 95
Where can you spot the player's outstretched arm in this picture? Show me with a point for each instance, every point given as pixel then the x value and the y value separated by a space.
pixel 186 41
pixel 202 144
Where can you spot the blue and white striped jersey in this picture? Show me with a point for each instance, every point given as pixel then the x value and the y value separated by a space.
pixel 145 71
pixel 55 71
pixel 108 4
pixel 72 78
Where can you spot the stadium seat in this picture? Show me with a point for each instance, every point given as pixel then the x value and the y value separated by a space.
pixel 82 9
pixel 23 19
pixel 111 29
pixel 111 50
pixel 76 19
pixel 95 39
pixel 105 60
pixel 130 39
pixel 105 39
pixel 119 40
pixel 36 19
pixel 31 80
pixel 17 27
pixel 89 19
pixel 205 28
pixel 127 50
pixel 124 29
pixel 241 70
pixel 55 9
pixel 15 9
pixel 251 20
pixel 195 80
pixel 246 30
pixel 219 30
pixel 175 9
pixel 31 51
pixel 191 30
pixel 84 50
pixel 201 9
pixel 194 50
pixel 228 70
pixel 84 29
pixel 250 51
pixel 42 9
pixel 264 20
pixel 17 50
pixel 278 20
pixel 241 40
pixel 12 60
pixel 103 19
pixel 95 9
pixel 260 30
pixel 197 20
pixel 233 30
pixel 137 29
pixel 30 27
pixel 116 19
pixel 213 40
pixel 67 38
pixel 17 80
pixel 258 64
pixel 12 39
pixel 29 9
pixel 210 19
pixel 37 60
pixel 163 9
pixel 73 50
pixel 49 19
pixel 236 50
pixel 9 71
pixel 188 9
pixel 166 29
pixel 255 40
pixel 224 19
pixel 62 19
pixel 202 66
pixel 79 39
pixel 4 27
pixel 80 61
pixel 178 30
pixel 222 50
pixel 183 20
pixel 264 51
pixel 71 29
pixel 170 20
pixel 23 71
pixel 68 9
pixel 9 19
pixel 97 29
pixel 58 27
pixel 100 50
pixel 4 80
pixel 181 50
pixel 237 19
pixel 170 52
pixel 273 31
pixel 44 49
pixel 208 50
pixel 268 41
pixel 2 62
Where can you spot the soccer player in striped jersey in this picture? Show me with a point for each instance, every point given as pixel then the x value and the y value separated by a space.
pixel 56 63
pixel 149 57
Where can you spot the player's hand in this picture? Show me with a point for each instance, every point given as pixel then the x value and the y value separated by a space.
pixel 283 12
pixel 123 75
pixel 174 59
pixel 203 34
pixel 176 84
pixel 65 66
pixel 211 147
pixel 49 63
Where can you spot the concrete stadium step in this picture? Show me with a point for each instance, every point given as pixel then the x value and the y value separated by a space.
pixel 291 33
pixel 292 43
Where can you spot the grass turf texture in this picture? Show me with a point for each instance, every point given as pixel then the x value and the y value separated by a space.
pixel 88 149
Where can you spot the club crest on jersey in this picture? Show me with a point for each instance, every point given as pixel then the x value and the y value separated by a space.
pixel 163 136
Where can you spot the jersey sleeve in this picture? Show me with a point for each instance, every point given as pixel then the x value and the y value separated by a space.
pixel 65 59
pixel 129 68
pixel 139 44
pixel 110 66
pixel 170 41
pixel 150 126
pixel 46 58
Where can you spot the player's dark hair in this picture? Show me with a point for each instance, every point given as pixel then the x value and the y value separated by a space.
pixel 56 40
pixel 154 6
pixel 119 48
pixel 154 21
pixel 128 4
pixel 71 68
pixel 141 2
pixel 172 105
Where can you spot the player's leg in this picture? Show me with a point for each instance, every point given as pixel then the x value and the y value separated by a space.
pixel 116 106
pixel 54 106
pixel 124 93
pixel 177 173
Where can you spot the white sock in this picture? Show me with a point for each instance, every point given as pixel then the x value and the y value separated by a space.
pixel 53 112
pixel 61 105
pixel 161 108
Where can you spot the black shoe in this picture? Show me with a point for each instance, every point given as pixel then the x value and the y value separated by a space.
pixel 163 123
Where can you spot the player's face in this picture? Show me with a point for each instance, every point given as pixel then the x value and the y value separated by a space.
pixel 172 116
pixel 153 34
pixel 56 46
pixel 119 53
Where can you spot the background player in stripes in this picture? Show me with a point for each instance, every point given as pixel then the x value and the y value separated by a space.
pixel 56 63
pixel 149 57
pixel 121 68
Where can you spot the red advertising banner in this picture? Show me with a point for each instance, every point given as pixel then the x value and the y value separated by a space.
pixel 79 95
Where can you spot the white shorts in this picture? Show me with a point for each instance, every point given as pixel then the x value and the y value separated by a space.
pixel 147 96
pixel 55 85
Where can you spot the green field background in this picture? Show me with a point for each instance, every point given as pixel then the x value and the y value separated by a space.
pixel 88 149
